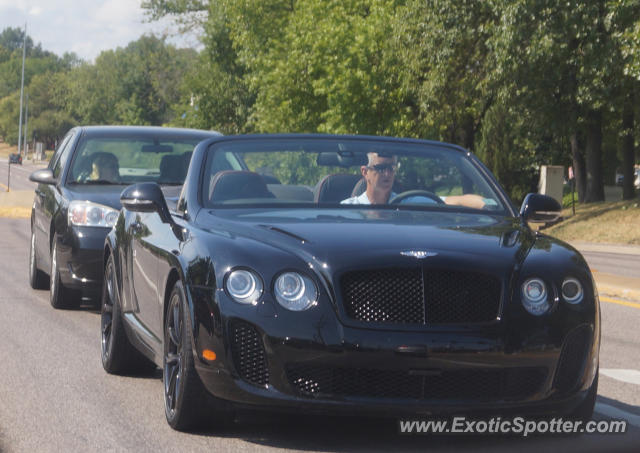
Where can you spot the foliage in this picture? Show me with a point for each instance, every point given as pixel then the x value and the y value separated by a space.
pixel 521 83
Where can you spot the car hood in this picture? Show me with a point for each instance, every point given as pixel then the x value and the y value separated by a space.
pixel 344 239
pixel 109 195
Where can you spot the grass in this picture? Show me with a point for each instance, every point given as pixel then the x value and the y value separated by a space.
pixel 13 212
pixel 6 149
pixel 607 222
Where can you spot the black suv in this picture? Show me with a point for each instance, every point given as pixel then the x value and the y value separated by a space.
pixel 78 199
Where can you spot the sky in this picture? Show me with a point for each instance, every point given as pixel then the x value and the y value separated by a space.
pixel 85 27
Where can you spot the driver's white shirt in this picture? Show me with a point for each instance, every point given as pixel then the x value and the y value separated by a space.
pixel 363 199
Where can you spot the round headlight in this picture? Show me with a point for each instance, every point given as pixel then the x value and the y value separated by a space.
pixel 572 290
pixel 295 292
pixel 94 215
pixel 244 286
pixel 534 297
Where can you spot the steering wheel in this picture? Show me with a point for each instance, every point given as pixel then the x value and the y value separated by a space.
pixel 416 193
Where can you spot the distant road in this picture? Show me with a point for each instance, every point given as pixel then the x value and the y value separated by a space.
pixel 621 264
pixel 19 175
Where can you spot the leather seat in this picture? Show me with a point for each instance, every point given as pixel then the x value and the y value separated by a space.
pixel 172 169
pixel 334 188
pixel 232 185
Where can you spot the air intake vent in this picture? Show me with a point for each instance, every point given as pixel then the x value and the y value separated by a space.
pixel 248 353
pixel 571 362
pixel 481 385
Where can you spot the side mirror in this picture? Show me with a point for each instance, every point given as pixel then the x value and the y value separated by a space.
pixel 44 176
pixel 539 208
pixel 146 197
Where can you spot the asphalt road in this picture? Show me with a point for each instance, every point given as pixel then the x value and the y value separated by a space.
pixel 614 263
pixel 19 175
pixel 55 396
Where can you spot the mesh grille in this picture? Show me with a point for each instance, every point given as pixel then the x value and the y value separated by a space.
pixel 394 295
pixel 482 385
pixel 574 352
pixel 463 297
pixel 248 353
pixel 412 297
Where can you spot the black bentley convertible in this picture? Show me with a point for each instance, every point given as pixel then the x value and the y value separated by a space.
pixel 347 274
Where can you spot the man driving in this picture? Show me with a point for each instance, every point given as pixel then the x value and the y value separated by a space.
pixel 379 174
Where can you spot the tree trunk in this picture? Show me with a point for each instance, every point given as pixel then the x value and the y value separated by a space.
pixel 595 187
pixel 579 171
pixel 628 151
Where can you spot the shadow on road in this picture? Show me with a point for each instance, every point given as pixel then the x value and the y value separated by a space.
pixel 338 434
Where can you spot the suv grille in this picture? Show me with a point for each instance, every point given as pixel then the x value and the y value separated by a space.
pixel 482 385
pixel 413 296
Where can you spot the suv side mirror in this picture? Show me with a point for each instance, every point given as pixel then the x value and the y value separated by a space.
pixel 539 208
pixel 146 197
pixel 44 176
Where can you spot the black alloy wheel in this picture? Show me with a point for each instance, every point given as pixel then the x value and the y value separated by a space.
pixel 118 355
pixel 37 278
pixel 187 403
pixel 59 297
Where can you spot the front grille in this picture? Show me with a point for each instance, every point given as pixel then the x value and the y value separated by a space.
pixel 394 295
pixel 248 353
pixel 571 362
pixel 480 385
pixel 411 296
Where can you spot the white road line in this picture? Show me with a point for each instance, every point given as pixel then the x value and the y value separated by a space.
pixel 630 376
pixel 614 412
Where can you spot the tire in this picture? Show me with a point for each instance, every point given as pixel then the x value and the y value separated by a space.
pixel 59 296
pixel 37 278
pixel 118 354
pixel 584 410
pixel 187 403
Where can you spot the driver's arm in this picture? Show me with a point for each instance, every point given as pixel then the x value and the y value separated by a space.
pixel 469 200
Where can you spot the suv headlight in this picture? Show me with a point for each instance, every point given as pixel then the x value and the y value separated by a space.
pixel 534 296
pixel 244 286
pixel 295 292
pixel 86 213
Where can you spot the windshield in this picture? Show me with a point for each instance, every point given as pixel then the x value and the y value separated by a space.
pixel 345 173
pixel 118 160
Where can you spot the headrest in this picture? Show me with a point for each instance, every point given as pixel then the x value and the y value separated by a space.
pixel 232 184
pixel 172 168
pixel 334 188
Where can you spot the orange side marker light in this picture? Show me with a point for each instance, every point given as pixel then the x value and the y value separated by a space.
pixel 209 355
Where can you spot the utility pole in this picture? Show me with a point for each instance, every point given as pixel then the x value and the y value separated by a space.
pixel 24 56
pixel 26 123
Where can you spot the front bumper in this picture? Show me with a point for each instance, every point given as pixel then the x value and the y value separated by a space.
pixel 265 360
pixel 80 259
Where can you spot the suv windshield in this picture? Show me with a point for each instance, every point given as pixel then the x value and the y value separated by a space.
pixel 114 160
pixel 343 173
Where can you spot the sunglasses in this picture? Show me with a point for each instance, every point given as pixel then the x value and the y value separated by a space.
pixel 384 168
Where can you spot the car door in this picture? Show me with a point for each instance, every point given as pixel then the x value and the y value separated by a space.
pixel 47 200
pixel 147 233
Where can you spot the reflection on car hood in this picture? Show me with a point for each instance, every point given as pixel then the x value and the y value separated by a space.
pixel 106 195
pixel 109 195
pixel 351 236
